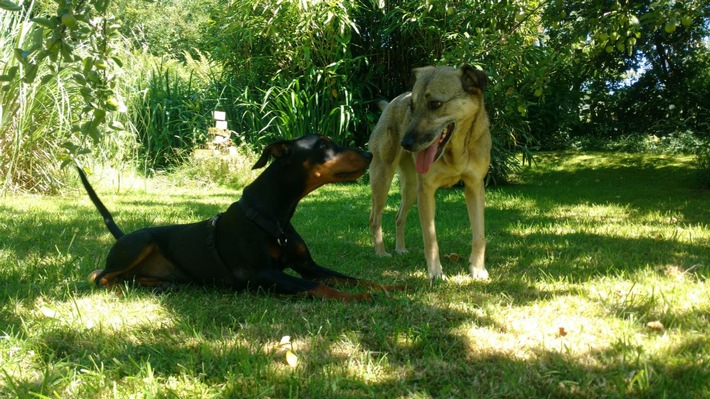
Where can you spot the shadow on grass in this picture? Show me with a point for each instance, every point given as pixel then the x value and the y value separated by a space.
pixel 415 340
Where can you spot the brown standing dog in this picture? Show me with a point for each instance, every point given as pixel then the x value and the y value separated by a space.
pixel 434 136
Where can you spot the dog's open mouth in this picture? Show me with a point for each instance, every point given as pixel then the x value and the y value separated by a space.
pixel 425 158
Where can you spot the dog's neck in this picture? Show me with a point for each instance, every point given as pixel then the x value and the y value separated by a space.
pixel 265 222
pixel 271 199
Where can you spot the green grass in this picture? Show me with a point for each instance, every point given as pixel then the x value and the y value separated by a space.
pixel 604 248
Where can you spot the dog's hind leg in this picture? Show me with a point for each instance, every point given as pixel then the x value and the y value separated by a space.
pixel 381 175
pixel 408 189
pixel 475 203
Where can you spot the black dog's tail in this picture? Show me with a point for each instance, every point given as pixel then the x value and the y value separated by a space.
pixel 108 219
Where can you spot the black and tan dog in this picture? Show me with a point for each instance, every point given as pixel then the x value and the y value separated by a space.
pixel 434 136
pixel 250 244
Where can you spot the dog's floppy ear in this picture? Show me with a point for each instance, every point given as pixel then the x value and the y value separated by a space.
pixel 276 149
pixel 472 78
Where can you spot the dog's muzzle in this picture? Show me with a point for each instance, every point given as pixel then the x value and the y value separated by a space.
pixel 431 152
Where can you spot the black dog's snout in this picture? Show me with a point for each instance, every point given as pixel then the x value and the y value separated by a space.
pixel 367 155
pixel 407 142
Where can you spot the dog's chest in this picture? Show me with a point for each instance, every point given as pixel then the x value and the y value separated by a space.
pixel 451 168
pixel 455 161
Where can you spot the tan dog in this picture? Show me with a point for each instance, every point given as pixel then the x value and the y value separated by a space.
pixel 434 136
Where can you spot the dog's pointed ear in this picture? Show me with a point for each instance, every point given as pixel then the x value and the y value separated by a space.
pixel 421 71
pixel 472 79
pixel 276 149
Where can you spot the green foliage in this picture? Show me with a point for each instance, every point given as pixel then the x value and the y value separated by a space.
pixel 58 88
pixel 289 69
pixel 76 37
pixel 170 113
pixel 317 102
pixel 166 27
pixel 562 73
pixel 221 170
pixel 329 61
pixel 639 67
pixel 35 118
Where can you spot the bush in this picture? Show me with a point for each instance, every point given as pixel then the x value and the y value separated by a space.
pixel 226 170
pixel 169 108
pixel 35 117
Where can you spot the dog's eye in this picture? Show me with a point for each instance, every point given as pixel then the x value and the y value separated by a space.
pixel 324 145
pixel 433 105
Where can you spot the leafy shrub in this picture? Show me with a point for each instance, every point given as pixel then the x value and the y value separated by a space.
pixel 169 108
pixel 167 27
pixel 35 117
pixel 288 70
pixel 226 170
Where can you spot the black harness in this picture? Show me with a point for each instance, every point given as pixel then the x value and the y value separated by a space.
pixel 212 242
pixel 268 225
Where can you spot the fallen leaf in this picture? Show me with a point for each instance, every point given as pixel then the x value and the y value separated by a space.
pixel 655 325
pixel 285 341
pixel 291 358
pixel 454 257
pixel 561 332
pixel 51 313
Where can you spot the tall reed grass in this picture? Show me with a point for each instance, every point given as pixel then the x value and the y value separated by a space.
pixel 315 102
pixel 33 116
pixel 36 117
pixel 169 110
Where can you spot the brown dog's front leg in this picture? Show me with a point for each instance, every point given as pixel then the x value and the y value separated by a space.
pixel 427 211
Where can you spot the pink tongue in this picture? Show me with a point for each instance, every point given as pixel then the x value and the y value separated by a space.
pixel 426 157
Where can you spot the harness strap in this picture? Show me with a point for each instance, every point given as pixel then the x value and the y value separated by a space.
pixel 268 225
pixel 212 242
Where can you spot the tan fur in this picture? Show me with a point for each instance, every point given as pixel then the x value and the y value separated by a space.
pixel 440 96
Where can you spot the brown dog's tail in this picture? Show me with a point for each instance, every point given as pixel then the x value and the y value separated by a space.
pixel 108 219
pixel 382 104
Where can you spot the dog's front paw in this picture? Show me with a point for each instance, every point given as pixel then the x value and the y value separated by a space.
pixel 383 254
pixel 480 274
pixel 401 251
pixel 436 278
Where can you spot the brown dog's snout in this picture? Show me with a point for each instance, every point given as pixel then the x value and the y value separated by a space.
pixel 407 142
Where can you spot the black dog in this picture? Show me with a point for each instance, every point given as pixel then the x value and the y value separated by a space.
pixel 250 244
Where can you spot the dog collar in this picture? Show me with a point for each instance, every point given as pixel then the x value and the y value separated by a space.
pixel 270 226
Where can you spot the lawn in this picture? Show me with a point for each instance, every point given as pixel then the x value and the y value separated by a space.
pixel 599 266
